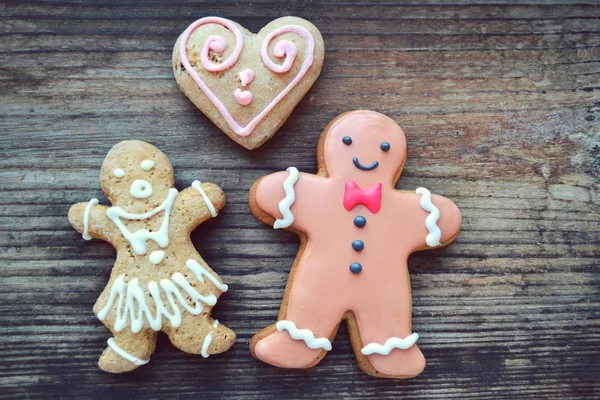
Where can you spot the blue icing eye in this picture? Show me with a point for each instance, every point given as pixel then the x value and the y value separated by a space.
pixel 385 146
pixel 347 140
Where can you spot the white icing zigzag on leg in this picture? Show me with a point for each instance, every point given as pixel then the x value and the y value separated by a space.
pixel 286 203
pixel 304 334
pixel 390 344
pixel 433 239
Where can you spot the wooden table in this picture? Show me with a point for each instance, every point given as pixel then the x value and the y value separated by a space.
pixel 500 104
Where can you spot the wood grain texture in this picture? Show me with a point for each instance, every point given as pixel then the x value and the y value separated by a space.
pixel 500 104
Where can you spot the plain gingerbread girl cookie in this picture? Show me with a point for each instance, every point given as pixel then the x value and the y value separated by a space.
pixel 159 281
pixel 356 234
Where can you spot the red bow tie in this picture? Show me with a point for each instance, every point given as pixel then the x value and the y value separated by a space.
pixel 354 195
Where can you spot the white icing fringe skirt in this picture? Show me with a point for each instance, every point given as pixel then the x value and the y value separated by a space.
pixel 131 297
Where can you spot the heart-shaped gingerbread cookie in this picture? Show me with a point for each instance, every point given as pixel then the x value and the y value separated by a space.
pixel 248 84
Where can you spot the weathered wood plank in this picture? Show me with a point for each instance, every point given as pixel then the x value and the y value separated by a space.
pixel 500 104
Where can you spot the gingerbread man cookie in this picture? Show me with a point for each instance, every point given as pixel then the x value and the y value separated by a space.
pixel 159 281
pixel 356 233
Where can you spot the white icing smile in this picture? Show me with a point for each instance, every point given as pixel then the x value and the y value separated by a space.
pixel 138 239
pixel 140 189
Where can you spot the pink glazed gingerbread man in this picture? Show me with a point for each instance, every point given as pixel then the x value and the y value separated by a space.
pixel 356 233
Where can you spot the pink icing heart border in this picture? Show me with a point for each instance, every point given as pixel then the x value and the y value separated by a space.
pixel 218 44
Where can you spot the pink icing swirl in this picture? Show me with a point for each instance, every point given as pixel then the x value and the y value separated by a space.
pixel 216 43
pixel 284 48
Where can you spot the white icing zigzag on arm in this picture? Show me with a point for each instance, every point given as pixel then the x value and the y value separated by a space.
pixel 286 203
pixel 304 334
pixel 433 239
pixel 390 344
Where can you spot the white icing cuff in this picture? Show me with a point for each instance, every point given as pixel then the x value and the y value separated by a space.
pixel 208 341
pixel 433 239
pixel 124 354
pixel 209 204
pixel 200 272
pixel 206 345
pixel 286 203
pixel 86 219
pixel 304 334
pixel 390 344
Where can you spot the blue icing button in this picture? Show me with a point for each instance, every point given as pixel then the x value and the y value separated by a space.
pixel 360 221
pixel 358 245
pixel 355 268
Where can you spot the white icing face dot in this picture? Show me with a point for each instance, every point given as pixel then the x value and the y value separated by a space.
pixel 156 256
pixel 147 165
pixel 140 189
pixel 118 172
